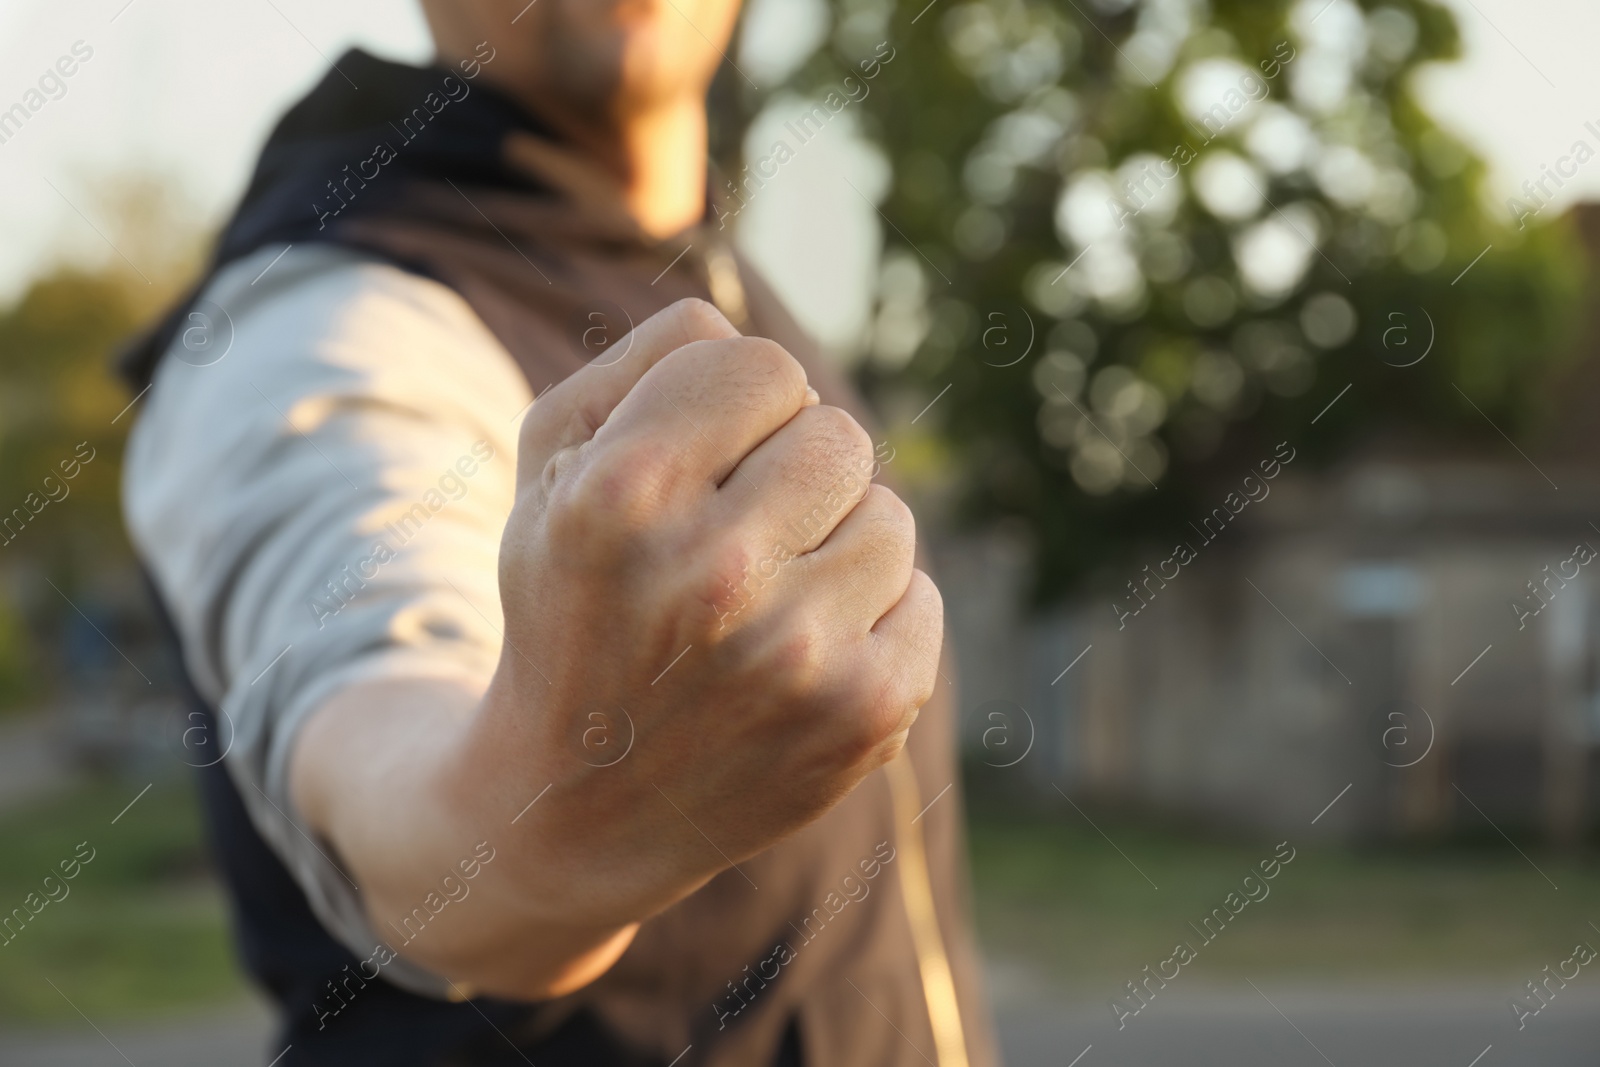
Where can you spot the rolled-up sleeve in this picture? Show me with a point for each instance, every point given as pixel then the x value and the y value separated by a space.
pixel 322 506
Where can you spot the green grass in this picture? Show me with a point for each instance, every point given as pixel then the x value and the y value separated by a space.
pixel 1053 893
pixel 143 929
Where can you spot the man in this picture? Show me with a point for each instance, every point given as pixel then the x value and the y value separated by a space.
pixel 566 679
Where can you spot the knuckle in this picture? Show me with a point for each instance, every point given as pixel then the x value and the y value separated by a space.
pixel 935 607
pixel 887 539
pixel 726 583
pixel 841 426
pixel 748 373
pixel 892 515
pixel 558 468
pixel 836 444
pixel 767 366
pixel 767 353
pixel 613 496
pixel 899 699
pixel 882 711
pixel 698 319
pixel 797 660
pixel 930 605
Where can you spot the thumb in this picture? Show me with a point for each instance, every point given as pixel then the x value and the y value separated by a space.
pixel 572 411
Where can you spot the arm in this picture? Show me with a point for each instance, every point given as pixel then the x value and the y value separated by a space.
pixel 382 769
pixel 695 544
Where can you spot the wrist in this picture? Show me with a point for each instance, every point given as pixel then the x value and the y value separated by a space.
pixel 581 837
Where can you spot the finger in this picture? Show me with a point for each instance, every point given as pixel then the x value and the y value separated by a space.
pixel 572 411
pixel 906 643
pixel 702 408
pixel 860 572
pixel 865 565
pixel 909 641
pixel 802 481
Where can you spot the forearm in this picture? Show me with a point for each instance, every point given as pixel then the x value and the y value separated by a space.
pixel 389 774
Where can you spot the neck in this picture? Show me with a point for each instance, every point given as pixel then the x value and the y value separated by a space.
pixel 649 159
pixel 660 158
pixel 651 164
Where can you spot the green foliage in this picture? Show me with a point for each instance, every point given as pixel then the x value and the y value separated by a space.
pixel 1255 213
pixel 60 404
pixel 142 928
pixel 58 394
pixel 60 452
pixel 16 675
pixel 1051 892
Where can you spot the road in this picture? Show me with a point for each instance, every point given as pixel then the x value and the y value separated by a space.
pixel 1278 1026
pixel 1198 1027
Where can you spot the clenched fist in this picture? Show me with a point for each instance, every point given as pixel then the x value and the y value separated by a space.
pixel 713 631
pixel 698 560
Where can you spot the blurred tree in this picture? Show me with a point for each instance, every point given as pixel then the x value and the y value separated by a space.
pixel 59 454
pixel 62 424
pixel 1208 219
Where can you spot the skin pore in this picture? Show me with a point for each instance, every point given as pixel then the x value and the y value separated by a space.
pixel 622 82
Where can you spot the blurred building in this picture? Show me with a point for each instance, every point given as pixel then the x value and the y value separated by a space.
pixel 1420 624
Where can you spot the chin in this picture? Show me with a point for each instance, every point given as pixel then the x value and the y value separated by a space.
pixel 643 69
pixel 620 56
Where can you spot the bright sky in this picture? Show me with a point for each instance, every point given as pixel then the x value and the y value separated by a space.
pixel 188 90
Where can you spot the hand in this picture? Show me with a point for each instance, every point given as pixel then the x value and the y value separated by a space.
pixel 697 557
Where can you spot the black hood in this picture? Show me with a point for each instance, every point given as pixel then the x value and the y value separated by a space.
pixel 373 142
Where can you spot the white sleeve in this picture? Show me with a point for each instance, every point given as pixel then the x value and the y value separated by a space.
pixel 320 506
